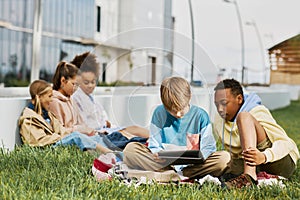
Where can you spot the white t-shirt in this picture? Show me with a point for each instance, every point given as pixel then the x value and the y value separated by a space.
pixel 92 113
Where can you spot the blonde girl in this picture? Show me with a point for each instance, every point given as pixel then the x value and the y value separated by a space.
pixel 39 127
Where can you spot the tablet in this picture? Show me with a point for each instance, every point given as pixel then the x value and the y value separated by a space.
pixel 181 157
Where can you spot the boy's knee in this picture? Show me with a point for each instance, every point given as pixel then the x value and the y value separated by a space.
pixel 130 154
pixel 130 149
pixel 225 157
pixel 224 160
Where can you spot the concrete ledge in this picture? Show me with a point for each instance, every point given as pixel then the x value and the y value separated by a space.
pixel 125 106
pixel 11 109
pixel 294 90
pixel 272 99
pixel 14 92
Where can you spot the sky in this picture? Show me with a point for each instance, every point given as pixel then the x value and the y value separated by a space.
pixel 217 31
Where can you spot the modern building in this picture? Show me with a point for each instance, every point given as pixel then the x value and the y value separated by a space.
pixel 133 39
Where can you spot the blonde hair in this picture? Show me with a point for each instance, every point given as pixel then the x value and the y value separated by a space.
pixel 36 89
pixel 175 93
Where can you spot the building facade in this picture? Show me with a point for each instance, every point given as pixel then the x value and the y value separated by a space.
pixel 131 38
pixel 285 62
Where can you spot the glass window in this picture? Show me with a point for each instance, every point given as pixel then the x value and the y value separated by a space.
pixel 98 19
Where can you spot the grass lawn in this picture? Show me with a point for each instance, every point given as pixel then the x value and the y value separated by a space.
pixel 65 173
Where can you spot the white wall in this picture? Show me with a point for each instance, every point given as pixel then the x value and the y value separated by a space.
pixel 124 105
pixel 294 90
pixel 134 105
pixel 272 98
pixel 11 109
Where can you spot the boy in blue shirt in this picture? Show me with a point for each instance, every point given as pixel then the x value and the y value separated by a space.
pixel 178 125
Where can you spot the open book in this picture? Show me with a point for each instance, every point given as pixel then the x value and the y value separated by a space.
pixel 181 157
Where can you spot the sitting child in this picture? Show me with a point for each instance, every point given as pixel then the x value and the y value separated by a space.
pixel 93 113
pixel 248 130
pixel 64 85
pixel 39 127
pixel 177 123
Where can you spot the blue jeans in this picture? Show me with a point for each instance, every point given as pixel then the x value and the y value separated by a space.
pixel 81 140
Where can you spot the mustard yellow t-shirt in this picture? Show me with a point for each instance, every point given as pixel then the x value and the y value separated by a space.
pixel 282 145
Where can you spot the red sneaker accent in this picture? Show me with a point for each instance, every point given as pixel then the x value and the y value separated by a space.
pixel 103 167
pixel 265 175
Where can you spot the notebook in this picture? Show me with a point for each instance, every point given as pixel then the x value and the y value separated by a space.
pixel 181 157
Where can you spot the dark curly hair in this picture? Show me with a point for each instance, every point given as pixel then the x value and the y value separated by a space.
pixel 87 62
pixel 233 84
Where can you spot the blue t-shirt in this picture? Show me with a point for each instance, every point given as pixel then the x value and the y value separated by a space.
pixel 167 129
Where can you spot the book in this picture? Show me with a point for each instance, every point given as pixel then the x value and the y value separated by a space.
pixel 181 157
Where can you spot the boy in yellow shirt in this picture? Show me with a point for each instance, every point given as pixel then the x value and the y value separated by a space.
pixel 248 130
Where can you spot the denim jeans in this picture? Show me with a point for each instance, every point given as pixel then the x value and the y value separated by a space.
pixel 81 140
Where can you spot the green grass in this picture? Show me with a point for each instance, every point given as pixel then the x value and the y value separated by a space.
pixel 65 173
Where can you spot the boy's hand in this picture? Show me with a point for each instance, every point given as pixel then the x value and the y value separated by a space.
pixel 253 156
